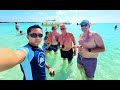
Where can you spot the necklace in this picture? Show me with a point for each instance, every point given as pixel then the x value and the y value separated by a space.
pixel 64 38
pixel 86 38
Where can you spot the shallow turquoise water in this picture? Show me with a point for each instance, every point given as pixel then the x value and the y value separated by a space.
pixel 108 66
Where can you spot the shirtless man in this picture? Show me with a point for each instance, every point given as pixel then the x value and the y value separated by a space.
pixel 54 43
pixel 66 41
pixel 90 44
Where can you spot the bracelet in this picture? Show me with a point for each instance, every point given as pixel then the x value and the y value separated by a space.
pixel 89 49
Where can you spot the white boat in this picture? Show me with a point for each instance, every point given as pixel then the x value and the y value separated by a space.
pixel 51 23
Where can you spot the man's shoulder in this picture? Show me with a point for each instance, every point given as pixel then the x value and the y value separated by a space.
pixel 25 48
pixel 90 31
pixel 58 33
pixel 95 34
pixel 70 33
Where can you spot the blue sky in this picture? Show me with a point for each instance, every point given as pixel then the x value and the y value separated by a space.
pixel 74 16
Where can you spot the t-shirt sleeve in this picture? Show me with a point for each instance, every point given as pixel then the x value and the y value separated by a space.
pixel 24 49
pixel 26 63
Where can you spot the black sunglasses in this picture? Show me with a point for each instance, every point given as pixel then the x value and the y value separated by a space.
pixel 84 25
pixel 34 35
pixel 62 28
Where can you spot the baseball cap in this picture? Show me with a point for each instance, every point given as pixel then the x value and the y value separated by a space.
pixel 84 22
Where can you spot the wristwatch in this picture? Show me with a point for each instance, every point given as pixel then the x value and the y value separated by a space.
pixel 89 49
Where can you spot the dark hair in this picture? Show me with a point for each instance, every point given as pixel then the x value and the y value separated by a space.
pixel 53 27
pixel 34 26
pixel 46 33
pixel 20 31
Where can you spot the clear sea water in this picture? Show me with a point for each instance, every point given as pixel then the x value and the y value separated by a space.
pixel 108 66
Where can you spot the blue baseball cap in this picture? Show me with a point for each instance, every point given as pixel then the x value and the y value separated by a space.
pixel 84 22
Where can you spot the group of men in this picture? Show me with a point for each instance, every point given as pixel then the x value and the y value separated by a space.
pixel 32 58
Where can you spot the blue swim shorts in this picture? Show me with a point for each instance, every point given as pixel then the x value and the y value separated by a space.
pixel 89 65
pixel 53 47
pixel 17 29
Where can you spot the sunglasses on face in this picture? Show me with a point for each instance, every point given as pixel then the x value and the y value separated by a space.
pixel 62 28
pixel 34 35
pixel 84 25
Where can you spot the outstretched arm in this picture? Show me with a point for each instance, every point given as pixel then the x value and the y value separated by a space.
pixel 10 58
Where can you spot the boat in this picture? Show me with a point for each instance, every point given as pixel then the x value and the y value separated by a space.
pixel 67 23
pixel 51 23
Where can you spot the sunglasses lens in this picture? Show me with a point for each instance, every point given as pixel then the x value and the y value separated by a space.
pixel 62 28
pixel 40 35
pixel 83 25
pixel 34 35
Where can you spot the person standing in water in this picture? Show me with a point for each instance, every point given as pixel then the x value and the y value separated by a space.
pixel 30 57
pixel 47 42
pixel 55 35
pixel 90 45
pixel 66 41
pixel 17 26
pixel 115 27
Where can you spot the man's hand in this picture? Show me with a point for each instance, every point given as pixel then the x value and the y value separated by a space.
pixel 74 52
pixel 81 48
pixel 52 72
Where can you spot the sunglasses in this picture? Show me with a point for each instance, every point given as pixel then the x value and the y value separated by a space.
pixel 84 25
pixel 62 28
pixel 34 35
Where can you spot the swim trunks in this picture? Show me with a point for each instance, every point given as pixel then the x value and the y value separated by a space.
pixel 53 47
pixel 17 29
pixel 67 54
pixel 89 65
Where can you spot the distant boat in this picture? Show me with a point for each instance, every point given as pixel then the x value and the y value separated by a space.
pixel 66 23
pixel 51 23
